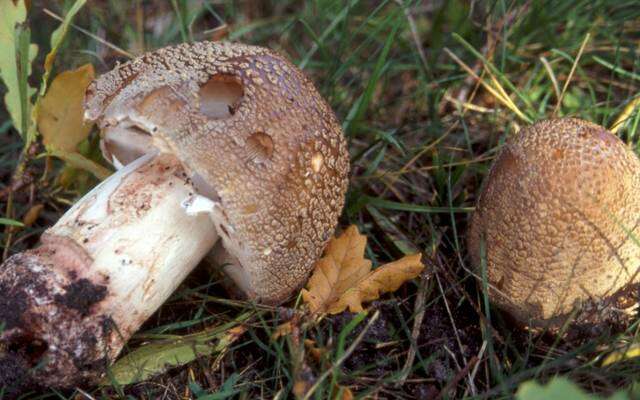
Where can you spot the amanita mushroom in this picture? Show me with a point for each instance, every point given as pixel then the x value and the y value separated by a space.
pixel 212 141
pixel 559 222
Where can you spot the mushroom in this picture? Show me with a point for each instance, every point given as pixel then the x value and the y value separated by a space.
pixel 218 146
pixel 558 224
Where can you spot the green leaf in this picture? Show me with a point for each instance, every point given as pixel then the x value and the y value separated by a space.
pixel 558 388
pixel 158 357
pixel 226 391
pixel 16 55
pixel 57 37
pixel 7 221
pixel 23 36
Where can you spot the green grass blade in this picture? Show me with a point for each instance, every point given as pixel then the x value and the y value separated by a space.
pixel 10 222
pixel 394 205
pixel 361 105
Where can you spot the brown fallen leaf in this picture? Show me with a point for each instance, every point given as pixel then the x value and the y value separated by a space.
pixel 61 113
pixel 347 394
pixel 32 215
pixel 315 351
pixel 300 388
pixel 343 277
pixel 282 330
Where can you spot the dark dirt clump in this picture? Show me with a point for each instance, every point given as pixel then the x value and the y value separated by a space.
pixel 14 376
pixel 11 308
pixel 81 295
pixel 437 332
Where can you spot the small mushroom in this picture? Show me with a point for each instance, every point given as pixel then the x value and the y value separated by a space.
pixel 558 224
pixel 214 142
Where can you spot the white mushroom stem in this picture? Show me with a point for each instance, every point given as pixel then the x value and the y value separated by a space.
pixel 101 271
pixel 137 233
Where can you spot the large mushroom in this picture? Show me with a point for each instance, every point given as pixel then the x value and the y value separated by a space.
pixel 558 225
pixel 218 146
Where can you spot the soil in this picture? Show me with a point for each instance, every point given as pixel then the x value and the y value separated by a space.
pixel 81 295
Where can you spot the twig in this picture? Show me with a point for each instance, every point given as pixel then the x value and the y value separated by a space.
pixel 415 35
pixel 494 332
pixel 15 186
pixel 475 368
pixel 419 309
pixel 573 70
pixel 498 92
pixel 91 35
pixel 85 394
pixel 489 47
pixel 18 175
pixel 464 371
pixel 552 76
pixel 453 323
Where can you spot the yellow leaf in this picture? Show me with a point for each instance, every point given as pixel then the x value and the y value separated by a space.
pixel 387 278
pixel 58 36
pixel 61 113
pixel 632 351
pixel 343 277
pixel 625 115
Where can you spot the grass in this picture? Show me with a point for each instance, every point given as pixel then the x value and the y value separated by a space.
pixel 427 92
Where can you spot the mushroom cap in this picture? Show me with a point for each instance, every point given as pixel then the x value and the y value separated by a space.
pixel 557 216
pixel 259 140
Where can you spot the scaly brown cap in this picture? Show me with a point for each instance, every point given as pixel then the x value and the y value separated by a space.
pixel 258 139
pixel 557 215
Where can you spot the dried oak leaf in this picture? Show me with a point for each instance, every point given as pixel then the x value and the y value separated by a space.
pixel 343 277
